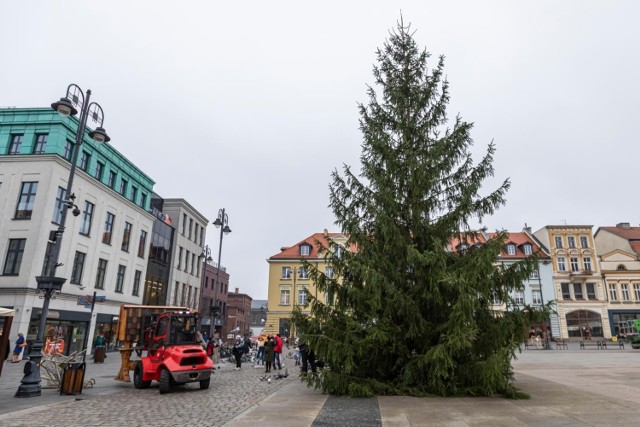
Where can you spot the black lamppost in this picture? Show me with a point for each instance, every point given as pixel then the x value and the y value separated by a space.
pixel 207 258
pixel 48 284
pixel 221 222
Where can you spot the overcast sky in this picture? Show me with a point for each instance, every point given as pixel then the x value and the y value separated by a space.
pixel 250 105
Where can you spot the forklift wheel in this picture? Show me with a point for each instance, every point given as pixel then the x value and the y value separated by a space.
pixel 137 377
pixel 165 381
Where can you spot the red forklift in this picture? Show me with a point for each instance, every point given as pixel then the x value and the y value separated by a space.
pixel 170 352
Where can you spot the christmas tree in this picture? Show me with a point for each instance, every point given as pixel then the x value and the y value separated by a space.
pixel 409 309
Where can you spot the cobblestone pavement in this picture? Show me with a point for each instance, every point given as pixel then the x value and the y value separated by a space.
pixel 230 393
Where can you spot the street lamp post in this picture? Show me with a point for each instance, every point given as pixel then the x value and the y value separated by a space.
pixel 206 258
pixel 48 284
pixel 221 222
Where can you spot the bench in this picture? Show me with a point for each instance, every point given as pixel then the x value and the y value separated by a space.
pixel 613 345
pixel 595 344
pixel 562 345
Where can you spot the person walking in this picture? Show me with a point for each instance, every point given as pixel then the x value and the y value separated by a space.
pixel 238 351
pixel 17 351
pixel 269 353
pixel 277 360
pixel 260 356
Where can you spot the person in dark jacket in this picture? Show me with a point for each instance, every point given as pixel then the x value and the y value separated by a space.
pixel 238 351
pixel 308 358
pixel 269 353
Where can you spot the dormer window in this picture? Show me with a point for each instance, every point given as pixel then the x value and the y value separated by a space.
pixel 526 248
pixel 305 250
pixel 511 249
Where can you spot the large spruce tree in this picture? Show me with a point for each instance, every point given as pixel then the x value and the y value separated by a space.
pixel 409 310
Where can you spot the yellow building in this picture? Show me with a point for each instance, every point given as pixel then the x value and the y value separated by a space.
pixel 578 285
pixel 288 280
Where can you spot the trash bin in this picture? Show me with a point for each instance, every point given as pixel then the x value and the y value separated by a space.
pixel 72 378
pixel 98 355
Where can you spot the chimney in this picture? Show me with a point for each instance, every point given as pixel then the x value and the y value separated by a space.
pixel 623 225
pixel 237 290
pixel 526 228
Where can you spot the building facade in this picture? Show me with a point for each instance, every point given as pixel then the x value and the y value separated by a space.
pixel 578 285
pixel 104 248
pixel 289 280
pixel 190 234
pixel 238 316
pixel 619 254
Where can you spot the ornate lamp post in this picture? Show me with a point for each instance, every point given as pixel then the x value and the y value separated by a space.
pixel 48 284
pixel 206 258
pixel 221 222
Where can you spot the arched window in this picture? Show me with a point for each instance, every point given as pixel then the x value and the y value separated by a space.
pixel 621 267
pixel 584 324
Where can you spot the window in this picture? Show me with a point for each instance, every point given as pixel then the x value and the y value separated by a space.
pixel 184 223
pixel 186 261
pixel 536 297
pixel 78 266
pixel 136 283
pixel 179 266
pixel 534 275
pixel 193 260
pixel 574 264
pixel 68 150
pixel 302 295
pixel 40 144
pixel 286 272
pixel 565 291
pixel 572 241
pixel 302 273
pixel 285 296
pixel 143 202
pixel 511 249
pixel 328 271
pixel 636 291
pixel 120 278
pixel 134 193
pixel 126 236
pixel 584 242
pixel 591 291
pixel 46 265
pixel 339 251
pixel 624 290
pixel 108 228
pixel 519 297
pixel 527 249
pixel 85 158
pixel 577 291
pixel 101 273
pixel 621 267
pixel 99 171
pixel 558 240
pixel 561 264
pixel 201 235
pixel 26 200
pixel 613 292
pixel 15 144
pixel 305 250
pixel 61 195
pixel 111 183
pixel 587 263
pixel 14 257
pixel 87 215
pixel 190 228
pixel 123 187
pixel 142 244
